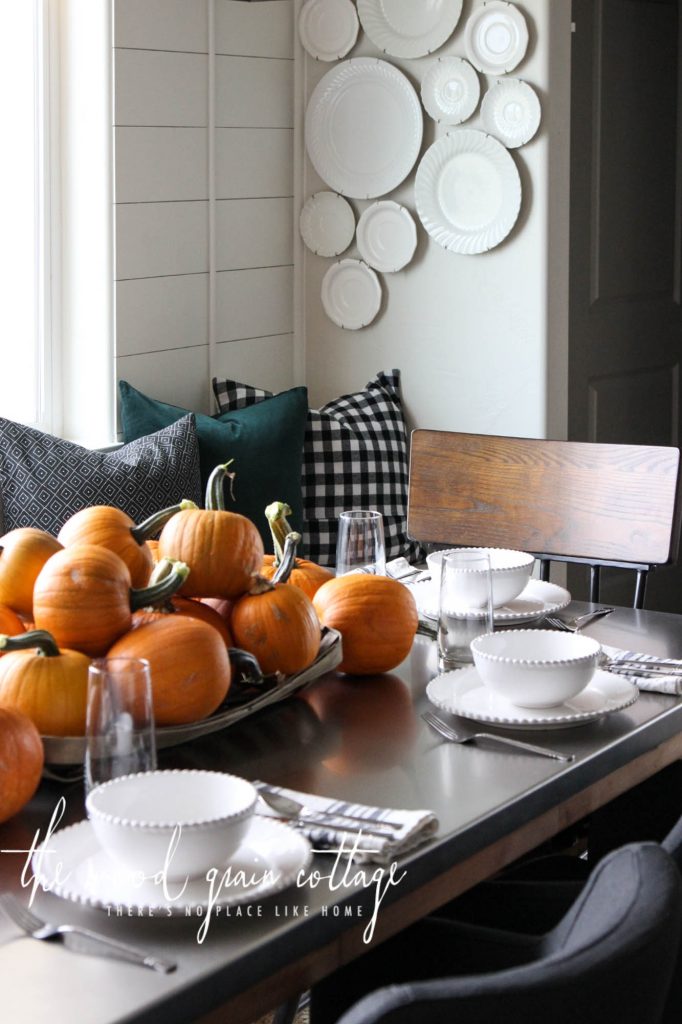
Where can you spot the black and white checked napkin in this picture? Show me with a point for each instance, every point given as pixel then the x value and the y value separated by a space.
pixel 659 683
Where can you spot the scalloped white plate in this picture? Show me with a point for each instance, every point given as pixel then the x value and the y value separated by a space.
pixel 537 599
pixel 409 28
pixel 386 236
pixel 450 90
pixel 496 37
pixel 468 191
pixel 463 693
pixel 327 224
pixel 351 294
pixel 511 112
pixel 328 28
pixel 363 127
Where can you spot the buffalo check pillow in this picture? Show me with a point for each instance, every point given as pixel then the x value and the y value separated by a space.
pixel 355 455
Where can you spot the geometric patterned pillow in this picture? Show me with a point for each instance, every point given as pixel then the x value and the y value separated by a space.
pixel 355 455
pixel 44 479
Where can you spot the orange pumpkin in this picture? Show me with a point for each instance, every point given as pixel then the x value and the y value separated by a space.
pixel 21 761
pixel 10 622
pixel 48 685
pixel 308 576
pixel 223 549
pixel 376 616
pixel 177 605
pixel 189 666
pixel 23 553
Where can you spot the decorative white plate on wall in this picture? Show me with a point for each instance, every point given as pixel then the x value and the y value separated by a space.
pixel 363 127
pixel 387 236
pixel 351 294
pixel 327 224
pixel 450 90
pixel 468 191
pixel 328 28
pixel 496 37
pixel 409 28
pixel 511 112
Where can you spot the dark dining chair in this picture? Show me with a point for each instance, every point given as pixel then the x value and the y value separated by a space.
pixel 599 504
pixel 608 961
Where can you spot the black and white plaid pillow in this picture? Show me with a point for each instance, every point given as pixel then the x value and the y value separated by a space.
pixel 44 479
pixel 355 455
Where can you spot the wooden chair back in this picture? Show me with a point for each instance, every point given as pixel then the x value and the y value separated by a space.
pixel 603 504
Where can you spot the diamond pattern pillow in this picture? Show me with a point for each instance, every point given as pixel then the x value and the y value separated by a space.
pixel 44 479
pixel 355 455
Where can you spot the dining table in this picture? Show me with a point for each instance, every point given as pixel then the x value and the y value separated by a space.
pixel 360 740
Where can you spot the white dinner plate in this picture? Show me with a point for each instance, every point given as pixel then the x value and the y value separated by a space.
pixel 468 191
pixel 409 28
pixel 537 599
pixel 327 224
pixel 351 294
pixel 76 868
pixel 450 90
pixel 496 37
pixel 511 112
pixel 463 693
pixel 363 127
pixel 387 236
pixel 328 28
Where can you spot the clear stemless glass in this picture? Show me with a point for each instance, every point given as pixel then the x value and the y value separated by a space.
pixel 120 736
pixel 360 543
pixel 465 608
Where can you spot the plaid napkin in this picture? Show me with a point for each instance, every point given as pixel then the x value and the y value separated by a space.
pixel 659 683
pixel 415 827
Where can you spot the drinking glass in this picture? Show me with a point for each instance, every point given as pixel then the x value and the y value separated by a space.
pixel 119 731
pixel 465 608
pixel 360 543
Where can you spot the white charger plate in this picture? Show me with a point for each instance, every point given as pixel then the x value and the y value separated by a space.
pixel 409 28
pixel 351 294
pixel 467 191
pixel 76 868
pixel 511 112
pixel 386 236
pixel 363 127
pixel 464 693
pixel 496 37
pixel 327 224
pixel 537 599
pixel 450 90
pixel 328 29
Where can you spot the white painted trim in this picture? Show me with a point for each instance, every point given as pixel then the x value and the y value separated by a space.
pixel 210 131
pixel 300 346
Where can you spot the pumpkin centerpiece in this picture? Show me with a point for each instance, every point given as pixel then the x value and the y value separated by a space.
pixel 308 576
pixel 48 685
pixel 376 616
pixel 21 761
pixel 23 553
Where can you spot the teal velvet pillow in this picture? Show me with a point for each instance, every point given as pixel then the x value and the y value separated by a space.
pixel 265 441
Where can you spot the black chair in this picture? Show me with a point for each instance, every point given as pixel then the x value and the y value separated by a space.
pixel 608 961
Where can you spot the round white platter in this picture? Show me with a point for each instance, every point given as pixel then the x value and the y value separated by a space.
pixel 409 28
pixel 467 191
pixel 328 29
pixel 463 693
pixel 76 868
pixel 327 224
pixel 351 294
pixel 363 127
pixel 496 37
pixel 537 599
pixel 386 236
pixel 450 90
pixel 511 112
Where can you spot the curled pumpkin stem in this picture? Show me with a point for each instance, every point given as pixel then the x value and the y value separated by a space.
pixel 155 522
pixel 39 639
pixel 260 585
pixel 215 490
pixel 276 514
pixel 172 578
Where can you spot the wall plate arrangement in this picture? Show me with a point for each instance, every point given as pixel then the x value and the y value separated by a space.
pixel 351 294
pixel 450 90
pixel 496 37
pixel 386 236
pixel 511 112
pixel 468 191
pixel 409 28
pixel 327 224
pixel 363 127
pixel 328 29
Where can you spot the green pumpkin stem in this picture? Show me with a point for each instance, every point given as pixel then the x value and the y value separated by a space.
pixel 259 584
pixel 39 639
pixel 161 590
pixel 276 515
pixel 215 491
pixel 153 524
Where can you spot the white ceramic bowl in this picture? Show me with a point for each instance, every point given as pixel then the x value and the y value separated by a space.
pixel 510 572
pixel 135 818
pixel 535 668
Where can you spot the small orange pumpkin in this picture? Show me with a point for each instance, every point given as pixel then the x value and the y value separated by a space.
pixel 23 553
pixel 48 685
pixel 308 576
pixel 21 761
pixel 177 605
pixel 10 622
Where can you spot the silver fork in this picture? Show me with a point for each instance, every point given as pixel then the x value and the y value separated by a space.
pixel 81 940
pixel 447 732
pixel 579 622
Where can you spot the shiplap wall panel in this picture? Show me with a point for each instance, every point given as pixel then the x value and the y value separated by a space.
pixel 158 313
pixel 159 88
pixel 263 362
pixel 156 165
pixel 262 29
pixel 253 233
pixel 253 162
pixel 156 239
pixel 161 24
pixel 254 303
pixel 253 92
pixel 179 378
